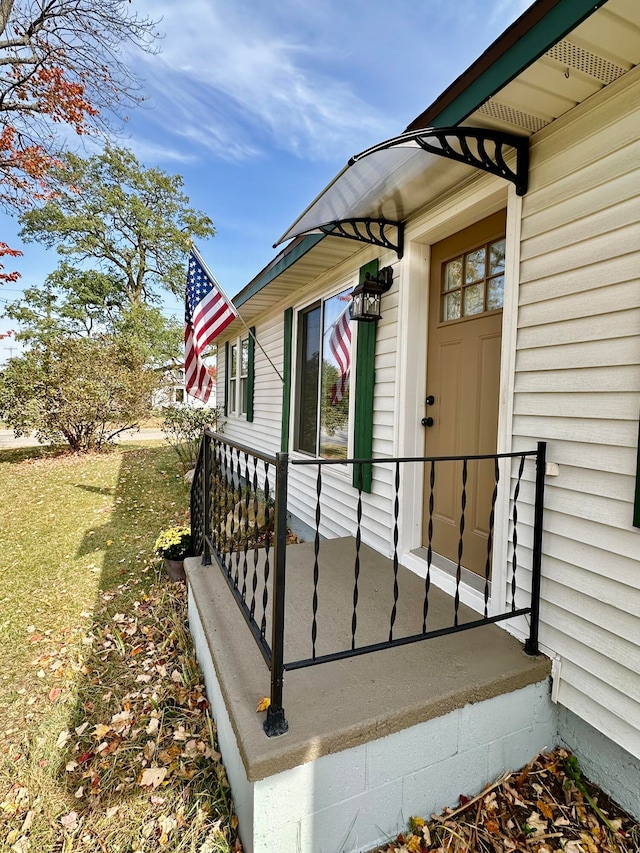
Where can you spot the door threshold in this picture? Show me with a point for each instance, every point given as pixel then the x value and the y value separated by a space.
pixel 467 577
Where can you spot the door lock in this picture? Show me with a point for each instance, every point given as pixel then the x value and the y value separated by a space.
pixel 427 422
pixel 430 400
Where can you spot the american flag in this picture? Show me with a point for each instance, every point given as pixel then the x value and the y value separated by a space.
pixel 340 346
pixel 207 314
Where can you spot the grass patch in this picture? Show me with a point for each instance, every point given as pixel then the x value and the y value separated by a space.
pixel 106 742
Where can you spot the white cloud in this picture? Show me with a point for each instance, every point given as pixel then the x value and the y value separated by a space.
pixel 229 74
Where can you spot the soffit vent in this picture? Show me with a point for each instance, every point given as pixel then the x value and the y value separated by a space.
pixel 518 118
pixel 573 56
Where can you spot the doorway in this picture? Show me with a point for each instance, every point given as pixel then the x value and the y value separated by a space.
pixel 466 290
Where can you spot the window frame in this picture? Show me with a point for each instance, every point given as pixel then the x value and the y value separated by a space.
pixel 236 379
pixel 299 311
pixel 464 285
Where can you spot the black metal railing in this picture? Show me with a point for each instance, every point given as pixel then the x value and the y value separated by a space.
pixel 238 519
pixel 239 511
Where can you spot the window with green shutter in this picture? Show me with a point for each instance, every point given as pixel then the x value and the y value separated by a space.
pixel 239 376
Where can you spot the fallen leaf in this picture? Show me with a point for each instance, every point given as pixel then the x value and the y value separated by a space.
pixel 263 704
pixel 69 821
pixel 153 777
pixel 546 809
pixel 537 824
pixel 63 739
pixel 54 693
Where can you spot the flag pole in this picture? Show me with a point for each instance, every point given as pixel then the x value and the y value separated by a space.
pixel 202 263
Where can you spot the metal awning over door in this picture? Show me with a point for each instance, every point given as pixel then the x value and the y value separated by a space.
pixel 371 198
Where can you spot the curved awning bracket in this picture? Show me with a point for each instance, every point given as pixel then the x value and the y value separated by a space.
pixel 377 232
pixel 479 147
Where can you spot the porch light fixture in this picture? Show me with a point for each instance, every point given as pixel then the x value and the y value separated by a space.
pixel 366 298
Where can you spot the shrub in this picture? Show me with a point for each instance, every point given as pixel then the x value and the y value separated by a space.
pixel 183 427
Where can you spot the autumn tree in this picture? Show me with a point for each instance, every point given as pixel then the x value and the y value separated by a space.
pixel 135 222
pixel 61 68
pixel 75 303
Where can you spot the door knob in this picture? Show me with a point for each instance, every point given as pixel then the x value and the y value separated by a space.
pixel 430 400
pixel 427 422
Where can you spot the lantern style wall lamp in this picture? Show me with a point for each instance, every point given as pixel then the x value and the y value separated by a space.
pixel 366 298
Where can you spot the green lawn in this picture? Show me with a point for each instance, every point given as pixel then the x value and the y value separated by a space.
pixel 99 684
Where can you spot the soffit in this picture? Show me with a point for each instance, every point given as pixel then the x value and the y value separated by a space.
pixel 596 53
pixel 301 262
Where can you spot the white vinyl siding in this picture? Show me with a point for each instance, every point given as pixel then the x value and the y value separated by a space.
pixel 577 385
pixel 264 432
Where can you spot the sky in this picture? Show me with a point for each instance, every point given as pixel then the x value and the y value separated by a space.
pixel 259 104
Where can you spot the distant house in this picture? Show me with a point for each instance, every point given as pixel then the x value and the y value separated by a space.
pixel 509 213
pixel 173 392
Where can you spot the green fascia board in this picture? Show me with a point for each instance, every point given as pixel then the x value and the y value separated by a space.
pixel 556 24
pixel 277 269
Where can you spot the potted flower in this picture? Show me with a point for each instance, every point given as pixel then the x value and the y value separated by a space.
pixel 174 544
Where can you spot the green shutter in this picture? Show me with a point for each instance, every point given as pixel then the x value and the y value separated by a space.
pixel 365 381
pixel 250 372
pixel 636 505
pixel 226 378
pixel 286 386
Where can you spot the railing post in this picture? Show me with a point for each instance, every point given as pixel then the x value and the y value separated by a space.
pixel 531 645
pixel 206 501
pixel 275 723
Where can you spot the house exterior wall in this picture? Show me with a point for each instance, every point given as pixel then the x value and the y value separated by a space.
pixel 263 432
pixel 339 498
pixel 577 386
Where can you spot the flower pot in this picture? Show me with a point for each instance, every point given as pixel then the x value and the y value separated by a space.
pixel 175 569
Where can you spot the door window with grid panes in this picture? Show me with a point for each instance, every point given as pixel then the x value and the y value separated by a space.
pixel 473 283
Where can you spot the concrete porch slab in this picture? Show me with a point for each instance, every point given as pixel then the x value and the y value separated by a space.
pixel 340 705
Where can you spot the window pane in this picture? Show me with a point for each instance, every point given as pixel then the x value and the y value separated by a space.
pixel 336 371
pixel 308 369
pixel 451 309
pixel 495 296
pixel 234 360
pixel 244 357
pixel 453 274
pixel 474 299
pixel 232 395
pixel 474 265
pixel 496 257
